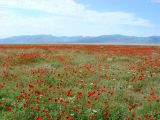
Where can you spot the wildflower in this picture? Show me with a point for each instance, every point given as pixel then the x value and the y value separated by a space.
pixel 69 118
pixel 105 107
pixel 140 77
pixel 152 95
pixel 133 114
pixel 61 113
pixel 37 92
pixel 30 86
pixel 94 111
pixel 49 99
pixel 95 87
pixel 24 105
pixel 127 118
pixel 88 103
pixel 96 98
pixel 43 110
pixel 46 115
pixel 50 86
pixel 92 116
pixel 58 118
pixel 139 119
pixel 126 99
pixel 68 92
pixel 146 116
pixel 67 102
pixel 151 118
pixel 76 109
pixel 105 114
pixel 13 75
pixel 9 109
pixel 31 107
pixel 89 94
pixel 105 101
pixel 72 114
pixel 79 93
pixel 38 118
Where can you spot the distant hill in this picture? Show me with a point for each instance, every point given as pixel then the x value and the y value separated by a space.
pixel 110 39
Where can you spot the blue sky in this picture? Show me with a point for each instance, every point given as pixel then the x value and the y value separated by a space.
pixel 149 9
pixel 79 17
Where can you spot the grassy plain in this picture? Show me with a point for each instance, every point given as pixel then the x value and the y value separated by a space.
pixel 79 82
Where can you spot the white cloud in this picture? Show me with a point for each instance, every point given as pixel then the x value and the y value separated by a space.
pixel 65 17
pixel 62 7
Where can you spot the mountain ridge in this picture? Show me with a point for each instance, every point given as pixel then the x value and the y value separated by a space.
pixel 50 39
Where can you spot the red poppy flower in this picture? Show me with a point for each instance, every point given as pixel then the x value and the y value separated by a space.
pixel 38 118
pixel 50 86
pixel 105 114
pixel 146 116
pixel 133 114
pixel 151 119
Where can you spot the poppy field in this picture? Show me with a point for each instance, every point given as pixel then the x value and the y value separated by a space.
pixel 79 82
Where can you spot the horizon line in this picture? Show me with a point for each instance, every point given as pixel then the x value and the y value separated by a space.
pixel 78 35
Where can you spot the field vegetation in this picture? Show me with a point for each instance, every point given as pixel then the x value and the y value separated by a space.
pixel 79 82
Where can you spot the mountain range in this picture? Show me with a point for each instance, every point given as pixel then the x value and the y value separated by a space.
pixel 106 39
